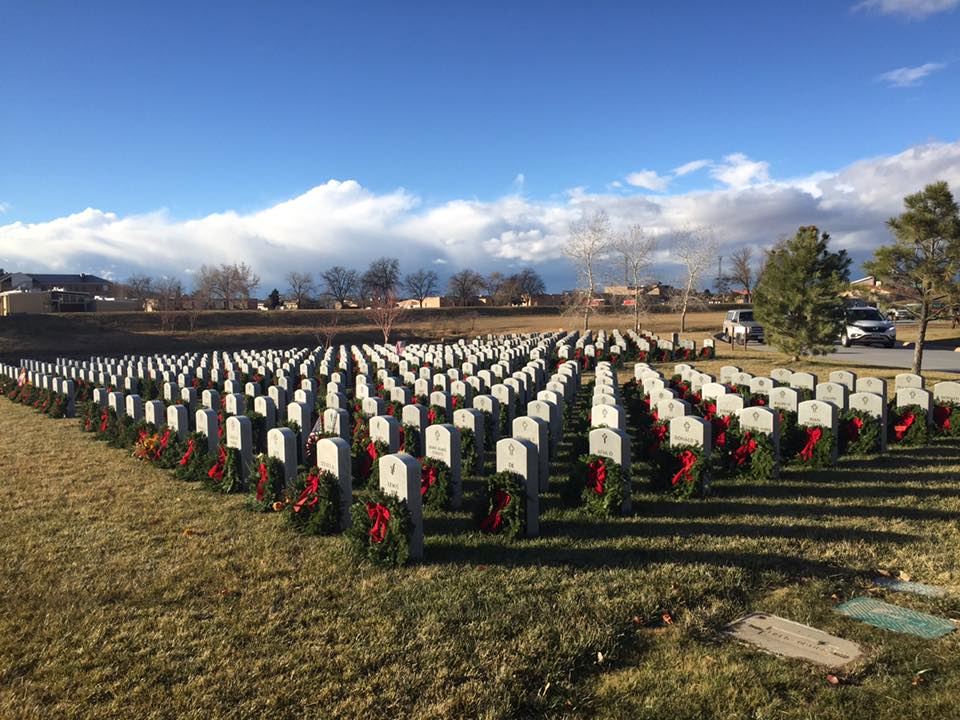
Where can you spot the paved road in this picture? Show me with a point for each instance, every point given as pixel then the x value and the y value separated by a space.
pixel 943 360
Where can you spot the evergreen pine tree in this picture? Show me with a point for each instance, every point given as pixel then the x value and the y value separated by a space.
pixel 923 262
pixel 797 299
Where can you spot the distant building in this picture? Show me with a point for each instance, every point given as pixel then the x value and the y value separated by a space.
pixel 434 301
pixel 34 282
pixel 544 300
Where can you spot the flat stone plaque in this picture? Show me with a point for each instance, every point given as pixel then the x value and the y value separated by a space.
pixel 786 638
pixel 910 587
pixel 895 618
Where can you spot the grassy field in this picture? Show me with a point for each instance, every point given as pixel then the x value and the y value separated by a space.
pixel 85 334
pixel 128 594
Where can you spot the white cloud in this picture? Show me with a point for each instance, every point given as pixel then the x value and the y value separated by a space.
pixel 519 180
pixel 738 171
pixel 341 222
pixel 690 167
pixel 910 76
pixel 648 179
pixel 917 9
pixel 4 208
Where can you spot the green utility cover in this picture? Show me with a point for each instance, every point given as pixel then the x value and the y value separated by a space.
pixel 893 617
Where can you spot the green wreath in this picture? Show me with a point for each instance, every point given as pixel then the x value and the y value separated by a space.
pixel 436 415
pixel 106 424
pixel 601 484
pixel 410 442
pixel 789 435
pixel 366 465
pixel 380 530
pixel 754 456
pixel 503 505
pixel 469 457
pixel 504 427
pixel 194 462
pixel 487 430
pixel 859 433
pixel 909 427
pixel 946 419
pixel 258 429
pixel 224 475
pixel 435 486
pixel 816 445
pixel 683 470
pixel 312 502
pixel 267 483
pixel 88 416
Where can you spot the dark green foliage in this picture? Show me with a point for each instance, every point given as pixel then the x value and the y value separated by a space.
pixel 797 299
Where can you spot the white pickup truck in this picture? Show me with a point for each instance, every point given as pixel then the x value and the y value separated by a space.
pixel 739 325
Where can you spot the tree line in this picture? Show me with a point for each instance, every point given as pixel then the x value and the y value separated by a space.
pixel 231 286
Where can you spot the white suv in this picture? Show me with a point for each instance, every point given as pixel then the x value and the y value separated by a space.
pixel 740 323
pixel 866 325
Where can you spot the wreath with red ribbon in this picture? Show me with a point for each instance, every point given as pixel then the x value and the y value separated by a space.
pixel 194 462
pixel 707 353
pixel 380 530
pixel 657 435
pixel 366 469
pixel 502 509
pixel 266 483
pixel 908 426
pixel 816 446
pixel 946 419
pixel 224 475
pixel 152 446
pixel 683 470
pixel 753 456
pixel 435 489
pixel 859 433
pixel 469 454
pixel 436 415
pixel 601 485
pixel 312 502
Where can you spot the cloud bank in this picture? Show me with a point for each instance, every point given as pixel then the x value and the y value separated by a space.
pixel 342 222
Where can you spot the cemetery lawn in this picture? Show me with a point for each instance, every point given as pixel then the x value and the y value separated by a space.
pixel 128 594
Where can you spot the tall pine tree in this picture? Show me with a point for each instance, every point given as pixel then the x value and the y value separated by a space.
pixel 923 262
pixel 797 298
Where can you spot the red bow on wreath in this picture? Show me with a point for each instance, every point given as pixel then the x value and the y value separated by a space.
pixel 189 453
pixel 380 515
pixel 216 472
pixel 905 422
pixel 852 428
pixel 813 437
pixel 687 461
pixel 431 416
pixel 747 447
pixel 494 521
pixel 597 476
pixel 311 487
pixel 941 416
pixel 428 478
pixel 659 435
pixel 709 411
pixel 719 425
pixel 262 483
pixel 104 421
pixel 367 460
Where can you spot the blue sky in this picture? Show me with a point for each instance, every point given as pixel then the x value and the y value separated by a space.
pixel 180 110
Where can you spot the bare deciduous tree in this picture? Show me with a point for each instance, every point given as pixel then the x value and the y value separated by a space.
pixel 633 249
pixel 138 286
pixel 695 250
pixel 326 328
pixel 741 271
pixel 386 314
pixel 586 247
pixel 300 287
pixel 421 284
pixel 232 285
pixel 341 283
pixel 465 285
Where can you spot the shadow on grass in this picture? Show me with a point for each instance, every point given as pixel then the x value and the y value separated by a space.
pixel 587 529
pixel 842 491
pixel 525 554
pixel 719 508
